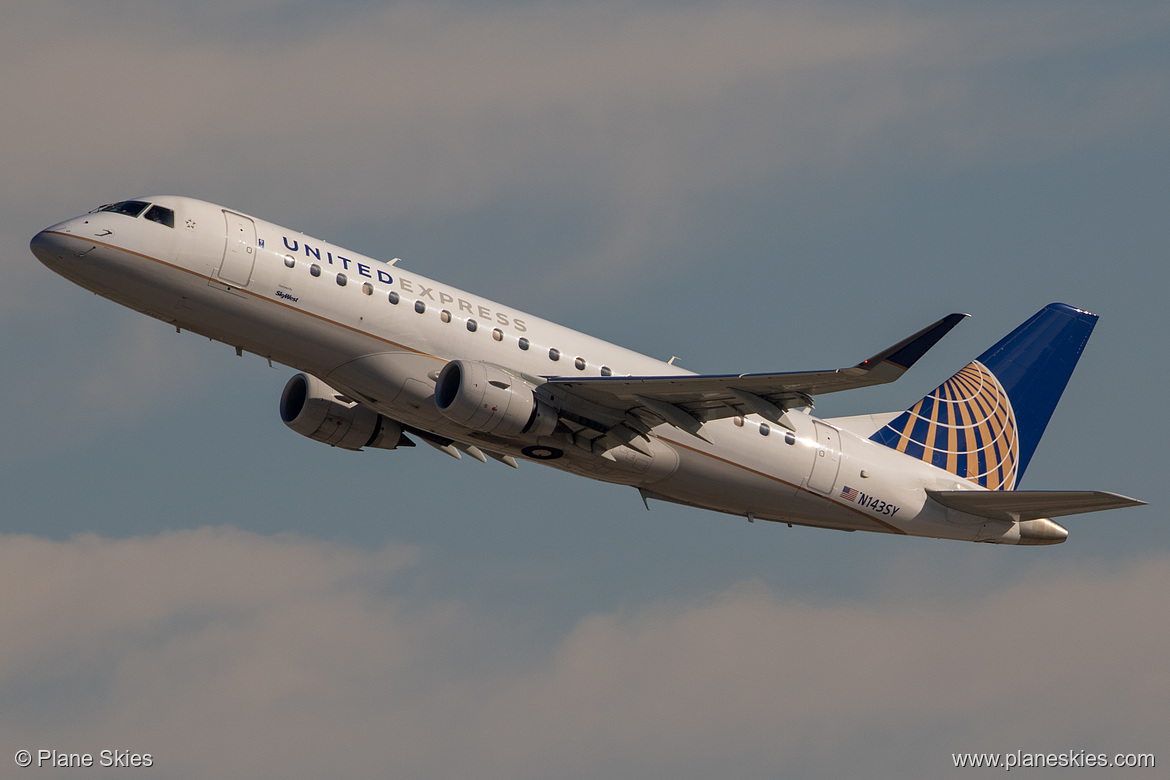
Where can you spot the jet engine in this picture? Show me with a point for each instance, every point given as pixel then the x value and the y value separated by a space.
pixel 314 409
pixel 487 398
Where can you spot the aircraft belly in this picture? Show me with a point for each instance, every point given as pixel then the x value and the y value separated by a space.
pixel 770 489
pixel 268 329
pixel 709 480
pixel 627 467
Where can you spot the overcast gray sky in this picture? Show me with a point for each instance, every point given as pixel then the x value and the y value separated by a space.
pixel 749 186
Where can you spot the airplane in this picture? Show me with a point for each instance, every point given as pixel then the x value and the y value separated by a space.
pixel 387 356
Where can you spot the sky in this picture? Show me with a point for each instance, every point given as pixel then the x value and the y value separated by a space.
pixel 748 186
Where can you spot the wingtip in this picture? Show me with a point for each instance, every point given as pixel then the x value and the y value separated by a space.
pixel 1128 501
pixel 907 352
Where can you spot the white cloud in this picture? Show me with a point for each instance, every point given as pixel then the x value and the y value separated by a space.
pixel 218 650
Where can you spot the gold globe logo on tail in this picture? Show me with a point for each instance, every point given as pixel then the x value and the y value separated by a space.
pixel 967 427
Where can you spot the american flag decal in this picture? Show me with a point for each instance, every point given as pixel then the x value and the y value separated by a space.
pixel 849 494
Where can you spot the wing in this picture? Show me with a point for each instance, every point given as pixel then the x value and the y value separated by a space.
pixel 625 408
pixel 1022 505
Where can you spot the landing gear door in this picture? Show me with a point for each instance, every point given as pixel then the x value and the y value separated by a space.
pixel 827 460
pixel 239 253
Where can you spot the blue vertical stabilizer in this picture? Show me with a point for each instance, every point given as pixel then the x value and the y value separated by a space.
pixel 984 423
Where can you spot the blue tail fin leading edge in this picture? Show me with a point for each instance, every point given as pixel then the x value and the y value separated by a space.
pixel 984 423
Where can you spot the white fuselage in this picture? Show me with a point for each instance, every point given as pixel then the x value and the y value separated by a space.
pixel 327 311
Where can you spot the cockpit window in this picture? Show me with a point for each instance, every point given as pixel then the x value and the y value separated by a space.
pixel 131 208
pixel 161 215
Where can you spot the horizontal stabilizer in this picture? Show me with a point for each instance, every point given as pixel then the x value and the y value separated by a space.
pixel 1022 505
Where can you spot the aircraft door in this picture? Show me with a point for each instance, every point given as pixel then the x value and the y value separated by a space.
pixel 239 253
pixel 827 460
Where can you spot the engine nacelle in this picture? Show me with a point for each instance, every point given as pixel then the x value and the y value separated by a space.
pixel 314 409
pixel 487 398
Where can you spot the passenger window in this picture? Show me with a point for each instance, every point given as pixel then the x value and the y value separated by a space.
pixel 580 364
pixel 764 429
pixel 420 307
pixel 605 371
pixel 472 325
pixel 315 269
pixel 554 354
pixel 161 215
pixel 341 280
pixel 738 421
pixel 445 315
pixel 368 288
pixel 789 437
pixel 290 261
pixel 498 334
pixel 393 297
pixel 522 343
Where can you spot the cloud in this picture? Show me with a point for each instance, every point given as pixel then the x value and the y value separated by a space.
pixel 218 650
pixel 429 109
pixel 583 143
pixel 445 101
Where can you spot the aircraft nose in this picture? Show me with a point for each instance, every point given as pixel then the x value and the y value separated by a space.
pixel 57 244
pixel 47 246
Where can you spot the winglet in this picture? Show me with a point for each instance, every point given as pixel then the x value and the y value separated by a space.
pixel 891 363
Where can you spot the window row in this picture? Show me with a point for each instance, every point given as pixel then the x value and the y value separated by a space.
pixel 421 307
pixel 765 429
